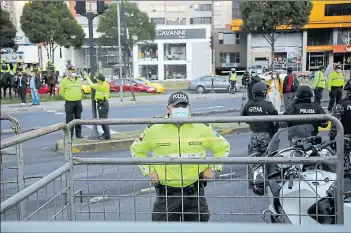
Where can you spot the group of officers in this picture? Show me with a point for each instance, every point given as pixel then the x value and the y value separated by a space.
pixel 20 67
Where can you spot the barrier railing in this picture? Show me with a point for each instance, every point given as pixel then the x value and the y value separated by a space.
pixel 108 177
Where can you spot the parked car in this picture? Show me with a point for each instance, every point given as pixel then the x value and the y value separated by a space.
pixel 204 84
pixel 86 89
pixel 159 87
pixel 44 89
pixel 138 86
pixel 258 68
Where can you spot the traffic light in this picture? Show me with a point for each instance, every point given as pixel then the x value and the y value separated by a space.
pixel 101 7
pixel 80 7
pixel 211 42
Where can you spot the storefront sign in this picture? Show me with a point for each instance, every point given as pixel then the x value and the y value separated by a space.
pixel 166 34
pixel 230 65
pixel 12 57
pixel 342 49
pixel 319 48
pixel 23 40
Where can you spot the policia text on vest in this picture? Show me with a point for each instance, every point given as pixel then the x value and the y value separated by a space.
pixel 102 95
pixel 71 91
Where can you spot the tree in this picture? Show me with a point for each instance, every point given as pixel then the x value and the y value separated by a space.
pixel 7 31
pixel 138 24
pixel 52 24
pixel 272 18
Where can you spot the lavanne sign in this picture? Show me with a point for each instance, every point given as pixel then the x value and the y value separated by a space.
pixel 167 34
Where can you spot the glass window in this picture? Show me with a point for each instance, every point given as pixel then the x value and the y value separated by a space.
pixel 202 7
pixel 118 82
pixel 175 72
pixel 182 21
pixel 176 21
pixel 206 79
pixel 337 9
pixel 319 37
pixel 148 52
pixel 158 20
pixel 200 20
pixel 344 36
pixel 234 57
pixel 228 38
pixel 175 51
pixel 149 71
pixel 157 7
pixel 175 8
pixel 223 57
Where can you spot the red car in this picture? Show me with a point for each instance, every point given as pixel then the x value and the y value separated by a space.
pixel 137 86
pixel 44 89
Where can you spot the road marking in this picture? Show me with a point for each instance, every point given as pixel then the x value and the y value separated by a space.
pixel 100 130
pixel 58 113
pixel 44 148
pixel 210 107
pixel 51 111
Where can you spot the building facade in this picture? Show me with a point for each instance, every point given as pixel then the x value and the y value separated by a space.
pixel 178 52
pixel 325 40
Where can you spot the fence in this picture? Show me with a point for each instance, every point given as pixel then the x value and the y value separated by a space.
pixel 79 206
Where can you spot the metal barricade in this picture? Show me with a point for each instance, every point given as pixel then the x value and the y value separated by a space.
pixel 107 203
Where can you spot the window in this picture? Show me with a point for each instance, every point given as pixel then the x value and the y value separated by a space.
pixel 202 7
pixel 148 52
pixel 206 79
pixel 159 8
pixel 176 21
pixel 234 57
pixel 175 71
pixel 200 20
pixel 158 20
pixel 337 9
pixel 223 57
pixel 344 36
pixel 149 72
pixel 229 38
pixel 117 82
pixel 175 8
pixel 175 51
pixel 319 37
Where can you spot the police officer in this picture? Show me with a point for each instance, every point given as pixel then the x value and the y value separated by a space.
pixel 342 111
pixel 185 193
pixel 232 80
pixel 254 79
pixel 51 67
pixel 319 83
pixel 71 91
pixel 102 95
pixel 34 67
pixel 335 85
pixel 5 67
pixel 262 132
pixel 19 67
pixel 303 105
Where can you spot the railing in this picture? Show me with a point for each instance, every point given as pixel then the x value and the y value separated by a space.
pixel 110 204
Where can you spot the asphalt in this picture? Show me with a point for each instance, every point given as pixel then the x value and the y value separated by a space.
pixel 228 197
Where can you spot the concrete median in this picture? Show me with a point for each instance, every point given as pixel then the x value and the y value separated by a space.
pixel 125 140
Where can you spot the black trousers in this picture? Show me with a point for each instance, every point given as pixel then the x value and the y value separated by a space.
pixel 52 89
pixel 193 207
pixel 232 85
pixel 22 93
pixel 103 108
pixel 318 94
pixel 73 110
pixel 334 94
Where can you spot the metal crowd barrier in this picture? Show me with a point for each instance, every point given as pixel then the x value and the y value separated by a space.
pixel 100 179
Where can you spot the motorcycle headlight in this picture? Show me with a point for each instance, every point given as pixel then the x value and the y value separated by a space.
pixel 289 153
pixel 326 153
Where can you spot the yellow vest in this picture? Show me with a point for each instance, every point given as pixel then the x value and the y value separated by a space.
pixel 233 77
pixel 336 80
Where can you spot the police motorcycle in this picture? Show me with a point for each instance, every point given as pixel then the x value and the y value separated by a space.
pixel 297 193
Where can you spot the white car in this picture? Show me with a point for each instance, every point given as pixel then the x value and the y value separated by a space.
pixel 266 76
pixel 256 67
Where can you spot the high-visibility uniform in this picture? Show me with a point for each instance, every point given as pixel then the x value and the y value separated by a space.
pixel 51 67
pixel 18 67
pixel 5 68
pixel 185 141
pixel 102 89
pixel 319 80
pixel 35 68
pixel 71 90
pixel 336 80
pixel 233 77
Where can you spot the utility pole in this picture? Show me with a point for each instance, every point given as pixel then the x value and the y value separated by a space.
pixel 213 69
pixel 119 50
pixel 81 9
pixel 126 48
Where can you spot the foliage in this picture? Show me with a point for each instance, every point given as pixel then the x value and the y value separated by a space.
pixel 7 31
pixel 52 24
pixel 137 22
pixel 264 17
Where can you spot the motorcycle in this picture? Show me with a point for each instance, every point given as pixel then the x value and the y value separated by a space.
pixel 298 194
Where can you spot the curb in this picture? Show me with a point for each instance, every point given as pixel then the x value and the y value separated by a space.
pixel 97 146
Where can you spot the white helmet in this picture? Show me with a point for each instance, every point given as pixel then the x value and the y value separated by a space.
pixel 233 69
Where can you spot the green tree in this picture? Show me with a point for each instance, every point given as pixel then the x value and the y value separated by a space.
pixel 138 24
pixel 264 17
pixel 52 24
pixel 7 31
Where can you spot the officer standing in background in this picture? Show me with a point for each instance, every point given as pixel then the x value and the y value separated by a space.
pixel 5 67
pixel 342 111
pixel 51 67
pixel 232 80
pixel 254 79
pixel 19 67
pixel 34 67
pixel 262 132
pixel 71 91
pixel 303 105
pixel 319 84
pixel 180 193
pixel 336 83
pixel 102 94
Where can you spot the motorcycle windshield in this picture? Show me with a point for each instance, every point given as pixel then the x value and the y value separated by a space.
pixel 285 137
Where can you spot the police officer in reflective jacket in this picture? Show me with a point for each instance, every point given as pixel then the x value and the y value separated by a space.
pixel 180 192
pixel 262 132
pixel 303 106
pixel 102 94
pixel 342 111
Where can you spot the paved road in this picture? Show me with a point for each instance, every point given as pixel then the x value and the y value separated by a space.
pixel 228 197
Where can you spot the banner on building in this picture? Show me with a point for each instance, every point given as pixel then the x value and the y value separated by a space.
pixel 12 57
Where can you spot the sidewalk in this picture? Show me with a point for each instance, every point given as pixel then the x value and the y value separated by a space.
pixel 114 102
